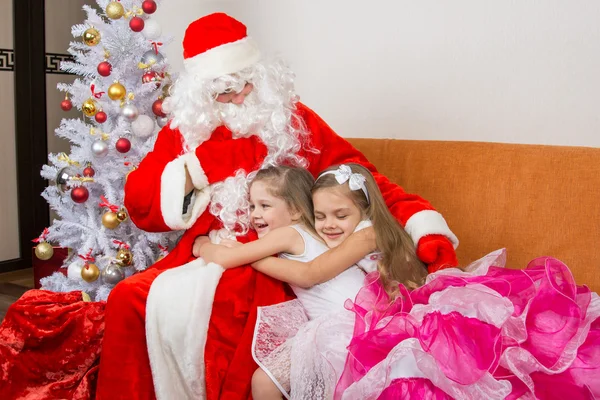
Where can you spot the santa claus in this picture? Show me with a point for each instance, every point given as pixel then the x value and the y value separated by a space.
pixel 183 329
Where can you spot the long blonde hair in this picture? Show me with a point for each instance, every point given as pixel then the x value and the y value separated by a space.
pixel 293 185
pixel 399 262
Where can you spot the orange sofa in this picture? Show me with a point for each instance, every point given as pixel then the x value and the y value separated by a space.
pixel 532 200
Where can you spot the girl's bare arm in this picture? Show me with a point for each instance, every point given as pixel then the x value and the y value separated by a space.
pixel 323 268
pixel 277 241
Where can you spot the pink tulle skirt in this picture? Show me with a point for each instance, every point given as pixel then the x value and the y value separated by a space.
pixel 483 333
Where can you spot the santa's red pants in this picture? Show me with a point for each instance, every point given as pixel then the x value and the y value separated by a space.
pixel 124 365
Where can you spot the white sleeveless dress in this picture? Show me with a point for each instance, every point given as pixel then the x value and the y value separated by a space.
pixel 301 344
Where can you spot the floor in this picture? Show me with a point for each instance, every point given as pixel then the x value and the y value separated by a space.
pixel 12 286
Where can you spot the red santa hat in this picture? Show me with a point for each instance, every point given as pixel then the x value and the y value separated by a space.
pixel 217 45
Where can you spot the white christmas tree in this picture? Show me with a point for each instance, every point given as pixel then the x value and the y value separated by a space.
pixel 122 78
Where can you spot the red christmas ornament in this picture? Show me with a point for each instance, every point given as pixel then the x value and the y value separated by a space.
pixel 152 76
pixel 79 194
pixel 157 108
pixel 104 68
pixel 66 105
pixel 149 6
pixel 123 145
pixel 100 117
pixel 89 172
pixel 136 24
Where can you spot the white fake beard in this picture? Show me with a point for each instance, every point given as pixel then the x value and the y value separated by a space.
pixel 245 119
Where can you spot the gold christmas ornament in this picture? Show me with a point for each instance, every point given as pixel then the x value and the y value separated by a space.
pixel 110 220
pixel 44 251
pixel 91 37
pixel 124 257
pixel 90 273
pixel 116 91
pixel 114 10
pixel 122 215
pixel 89 107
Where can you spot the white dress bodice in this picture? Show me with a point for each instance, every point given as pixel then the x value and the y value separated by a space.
pixel 329 296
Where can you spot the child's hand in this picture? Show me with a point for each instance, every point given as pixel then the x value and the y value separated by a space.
pixel 209 252
pixel 368 235
pixel 198 243
pixel 230 243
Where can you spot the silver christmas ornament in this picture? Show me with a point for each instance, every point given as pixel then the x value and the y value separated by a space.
pixel 162 121
pixel 150 58
pixel 63 177
pixel 143 126
pixel 100 148
pixel 112 274
pixel 130 112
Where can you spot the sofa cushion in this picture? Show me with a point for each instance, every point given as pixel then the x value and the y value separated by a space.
pixel 533 200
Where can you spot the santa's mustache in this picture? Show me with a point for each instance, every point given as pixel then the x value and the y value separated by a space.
pixel 247 118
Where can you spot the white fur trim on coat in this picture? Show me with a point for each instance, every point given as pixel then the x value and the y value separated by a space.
pixel 172 192
pixel 178 312
pixel 429 222
pixel 223 60
pixel 199 178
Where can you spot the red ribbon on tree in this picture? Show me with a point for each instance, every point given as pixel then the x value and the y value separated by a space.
pixel 107 204
pixel 96 95
pixel 42 237
pixel 121 244
pixel 164 250
pixel 156 44
pixel 87 258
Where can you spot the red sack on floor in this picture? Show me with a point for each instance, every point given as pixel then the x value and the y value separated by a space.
pixel 50 346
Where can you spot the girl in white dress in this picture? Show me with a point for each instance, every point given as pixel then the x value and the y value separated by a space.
pixel 300 345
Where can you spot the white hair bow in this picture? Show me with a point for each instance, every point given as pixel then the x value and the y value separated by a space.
pixel 344 174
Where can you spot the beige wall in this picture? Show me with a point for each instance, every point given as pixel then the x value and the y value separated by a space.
pixel 6 25
pixel 481 70
pixel 9 224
